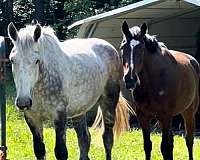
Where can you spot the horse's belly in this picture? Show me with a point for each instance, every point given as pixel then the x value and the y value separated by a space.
pixel 82 104
pixel 84 97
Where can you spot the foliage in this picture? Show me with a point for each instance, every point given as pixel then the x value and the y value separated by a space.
pixel 127 2
pixel 61 13
pixel 23 12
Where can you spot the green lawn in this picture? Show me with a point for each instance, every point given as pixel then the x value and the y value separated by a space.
pixel 128 146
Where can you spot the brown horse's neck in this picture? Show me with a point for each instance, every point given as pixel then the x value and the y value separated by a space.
pixel 151 72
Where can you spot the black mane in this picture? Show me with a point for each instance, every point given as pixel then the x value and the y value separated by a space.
pixel 151 43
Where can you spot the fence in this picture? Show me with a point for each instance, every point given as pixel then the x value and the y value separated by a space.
pixel 3 61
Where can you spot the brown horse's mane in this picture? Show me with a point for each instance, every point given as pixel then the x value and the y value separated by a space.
pixel 152 44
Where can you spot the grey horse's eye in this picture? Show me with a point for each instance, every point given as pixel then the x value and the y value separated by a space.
pixel 11 61
pixel 37 61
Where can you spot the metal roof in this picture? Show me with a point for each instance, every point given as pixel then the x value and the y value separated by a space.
pixel 175 22
pixel 129 8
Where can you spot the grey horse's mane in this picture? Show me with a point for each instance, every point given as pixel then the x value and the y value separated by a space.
pixel 26 37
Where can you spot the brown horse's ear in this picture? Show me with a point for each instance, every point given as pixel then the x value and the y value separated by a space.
pixel 37 33
pixel 143 29
pixel 126 31
pixel 12 32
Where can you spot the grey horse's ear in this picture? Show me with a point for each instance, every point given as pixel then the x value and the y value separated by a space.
pixel 37 32
pixel 126 31
pixel 34 22
pixel 12 32
pixel 143 29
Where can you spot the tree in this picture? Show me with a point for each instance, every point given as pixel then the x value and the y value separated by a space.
pixel 7 15
pixel 23 12
pixel 39 11
pixel 59 15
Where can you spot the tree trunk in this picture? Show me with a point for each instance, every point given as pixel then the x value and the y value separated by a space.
pixel 60 16
pixel 7 10
pixel 39 11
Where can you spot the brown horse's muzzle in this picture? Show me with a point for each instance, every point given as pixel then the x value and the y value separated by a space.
pixel 23 103
pixel 130 81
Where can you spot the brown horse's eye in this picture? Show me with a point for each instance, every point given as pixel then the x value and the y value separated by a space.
pixel 37 61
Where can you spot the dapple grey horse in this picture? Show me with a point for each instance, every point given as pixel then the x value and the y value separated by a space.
pixel 60 80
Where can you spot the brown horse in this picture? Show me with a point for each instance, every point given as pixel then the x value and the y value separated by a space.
pixel 164 83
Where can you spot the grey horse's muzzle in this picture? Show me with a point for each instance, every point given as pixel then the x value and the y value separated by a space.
pixel 23 103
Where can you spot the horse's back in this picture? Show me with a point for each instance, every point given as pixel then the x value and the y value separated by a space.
pixel 98 49
pixel 187 59
pixel 83 45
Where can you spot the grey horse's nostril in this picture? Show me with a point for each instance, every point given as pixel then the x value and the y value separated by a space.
pixel 18 102
pixel 30 102
pixel 23 103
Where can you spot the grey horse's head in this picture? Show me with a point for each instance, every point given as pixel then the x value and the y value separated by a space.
pixel 25 59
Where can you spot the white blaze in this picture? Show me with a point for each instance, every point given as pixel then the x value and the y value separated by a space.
pixel 133 44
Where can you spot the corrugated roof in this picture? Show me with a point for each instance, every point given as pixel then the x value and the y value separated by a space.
pixel 195 2
pixel 126 9
pixel 114 12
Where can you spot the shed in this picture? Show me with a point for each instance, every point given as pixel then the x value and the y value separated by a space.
pixel 175 22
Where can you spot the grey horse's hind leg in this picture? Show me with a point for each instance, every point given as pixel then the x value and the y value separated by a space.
pixel 108 103
pixel 37 132
pixel 84 138
pixel 60 129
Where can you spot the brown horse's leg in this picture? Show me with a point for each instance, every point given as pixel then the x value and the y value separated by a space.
pixel 167 143
pixel 108 102
pixel 189 118
pixel 144 123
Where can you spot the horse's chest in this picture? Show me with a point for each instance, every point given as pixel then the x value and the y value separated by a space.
pixel 47 104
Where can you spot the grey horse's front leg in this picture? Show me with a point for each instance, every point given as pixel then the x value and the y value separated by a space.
pixel 60 129
pixel 35 126
pixel 84 137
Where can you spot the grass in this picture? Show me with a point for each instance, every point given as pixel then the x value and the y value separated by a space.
pixel 129 146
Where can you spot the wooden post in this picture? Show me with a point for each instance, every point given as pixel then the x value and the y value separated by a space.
pixel 2 99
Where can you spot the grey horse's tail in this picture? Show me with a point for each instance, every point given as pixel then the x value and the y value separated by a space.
pixel 123 110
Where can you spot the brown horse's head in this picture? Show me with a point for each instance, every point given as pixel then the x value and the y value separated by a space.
pixel 132 50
